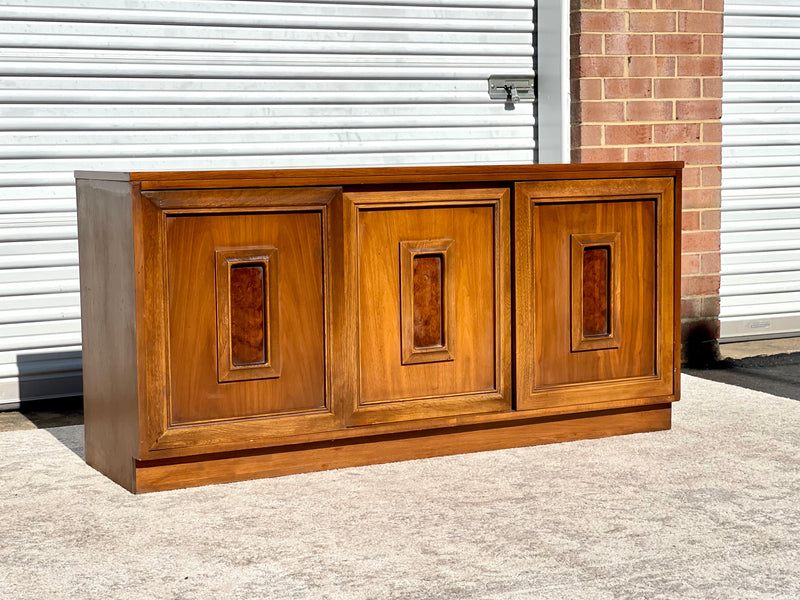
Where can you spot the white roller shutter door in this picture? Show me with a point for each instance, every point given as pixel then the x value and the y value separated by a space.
pixel 760 287
pixel 167 85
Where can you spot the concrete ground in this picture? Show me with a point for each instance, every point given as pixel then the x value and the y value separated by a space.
pixel 770 366
pixel 749 349
pixel 707 510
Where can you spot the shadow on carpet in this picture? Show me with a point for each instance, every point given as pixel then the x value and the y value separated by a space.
pixel 778 375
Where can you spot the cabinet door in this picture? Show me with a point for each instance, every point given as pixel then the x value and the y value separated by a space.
pixel 594 292
pixel 237 288
pixel 427 296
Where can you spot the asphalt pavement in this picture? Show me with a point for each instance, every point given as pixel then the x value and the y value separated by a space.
pixel 773 373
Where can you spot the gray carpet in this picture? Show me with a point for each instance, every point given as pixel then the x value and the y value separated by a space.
pixel 710 509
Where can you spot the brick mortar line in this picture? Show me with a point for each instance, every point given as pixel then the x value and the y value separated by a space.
pixel 650 77
pixel 623 56
pixel 655 10
pixel 652 123
pixel 650 98
pixel 655 146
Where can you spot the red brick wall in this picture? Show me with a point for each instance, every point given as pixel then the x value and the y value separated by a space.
pixel 647 85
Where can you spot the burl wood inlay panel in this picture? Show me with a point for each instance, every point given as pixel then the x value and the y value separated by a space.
pixel 248 315
pixel 427 301
pixel 202 254
pixel 595 291
pixel 595 294
pixel 428 313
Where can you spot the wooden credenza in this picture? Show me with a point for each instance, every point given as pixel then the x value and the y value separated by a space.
pixel 242 324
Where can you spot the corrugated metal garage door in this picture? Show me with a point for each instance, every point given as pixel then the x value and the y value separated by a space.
pixel 760 289
pixel 154 85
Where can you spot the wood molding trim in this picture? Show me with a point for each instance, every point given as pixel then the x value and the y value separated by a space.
pixel 547 214
pixel 170 474
pixel 427 301
pixel 248 315
pixel 596 291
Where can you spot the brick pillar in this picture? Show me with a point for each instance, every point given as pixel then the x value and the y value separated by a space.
pixel 646 81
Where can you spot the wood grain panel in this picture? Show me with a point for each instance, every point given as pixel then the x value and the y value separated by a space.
pixel 383 376
pixel 427 301
pixel 596 318
pixel 222 436
pixel 181 180
pixel 166 475
pixel 242 199
pixel 152 213
pixel 248 313
pixel 108 328
pixel 152 327
pixel 193 249
pixel 557 365
pixel 465 227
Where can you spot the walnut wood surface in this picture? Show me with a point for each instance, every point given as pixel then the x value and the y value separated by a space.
pixel 555 362
pixel 250 434
pixel 383 376
pixel 595 291
pixel 196 395
pixel 427 301
pixel 640 211
pixel 108 308
pixel 383 175
pixel 349 390
pixel 676 239
pixel 389 388
pixel 180 333
pixel 166 475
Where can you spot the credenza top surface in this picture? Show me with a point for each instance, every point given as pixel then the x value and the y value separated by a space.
pixel 380 175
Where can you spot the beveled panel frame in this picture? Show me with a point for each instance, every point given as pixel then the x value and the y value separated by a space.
pixel 358 410
pixel 580 242
pixel 226 259
pixel 634 391
pixel 409 250
pixel 158 437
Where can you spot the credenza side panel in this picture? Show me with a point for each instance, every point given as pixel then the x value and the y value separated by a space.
pixel 108 328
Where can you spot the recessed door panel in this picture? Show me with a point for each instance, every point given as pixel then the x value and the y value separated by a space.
pixel 246 319
pixel 607 337
pixel 594 292
pixel 430 277
pixel 235 313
